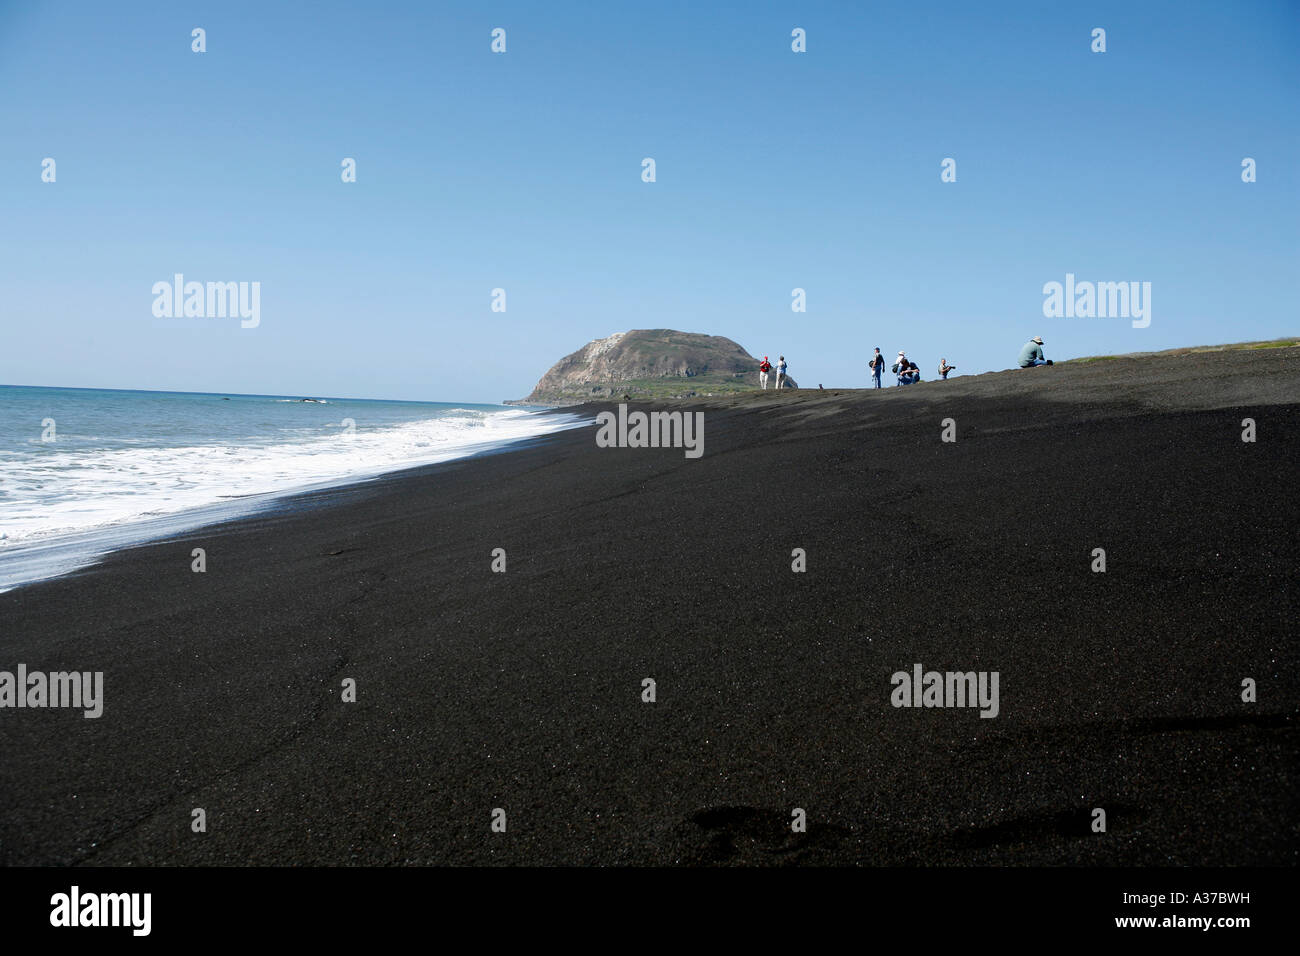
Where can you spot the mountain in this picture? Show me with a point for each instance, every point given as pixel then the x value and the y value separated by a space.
pixel 649 364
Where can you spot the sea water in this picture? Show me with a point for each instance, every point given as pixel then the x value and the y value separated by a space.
pixel 86 471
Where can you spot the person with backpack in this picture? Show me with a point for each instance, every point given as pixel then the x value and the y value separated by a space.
pixel 763 368
pixel 907 370
pixel 877 365
pixel 780 373
pixel 945 368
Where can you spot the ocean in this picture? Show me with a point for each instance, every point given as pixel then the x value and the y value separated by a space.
pixel 87 471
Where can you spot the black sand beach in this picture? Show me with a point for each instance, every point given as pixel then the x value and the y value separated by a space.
pixel 522 690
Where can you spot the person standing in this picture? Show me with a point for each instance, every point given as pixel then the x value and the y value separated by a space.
pixel 780 373
pixel 763 368
pixel 877 365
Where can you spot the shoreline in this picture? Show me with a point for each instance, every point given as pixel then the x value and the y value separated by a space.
pixel 523 690
pixel 44 558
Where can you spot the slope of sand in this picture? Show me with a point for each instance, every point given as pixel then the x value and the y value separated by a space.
pixel 522 690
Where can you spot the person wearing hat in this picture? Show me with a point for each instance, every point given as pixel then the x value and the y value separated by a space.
pixel 763 368
pixel 1032 354
pixel 907 370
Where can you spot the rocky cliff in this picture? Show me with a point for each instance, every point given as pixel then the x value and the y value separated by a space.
pixel 648 364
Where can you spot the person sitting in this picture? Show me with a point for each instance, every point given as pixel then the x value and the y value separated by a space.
pixel 945 368
pixel 1032 354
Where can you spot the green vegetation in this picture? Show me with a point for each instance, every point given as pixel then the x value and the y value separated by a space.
pixel 1192 350
pixel 658 388
pixel 1275 344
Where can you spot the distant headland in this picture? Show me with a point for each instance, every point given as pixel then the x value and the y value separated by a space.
pixel 648 364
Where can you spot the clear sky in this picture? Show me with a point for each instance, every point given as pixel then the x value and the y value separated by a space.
pixel 775 170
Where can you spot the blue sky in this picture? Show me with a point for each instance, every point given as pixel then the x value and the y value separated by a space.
pixel 522 171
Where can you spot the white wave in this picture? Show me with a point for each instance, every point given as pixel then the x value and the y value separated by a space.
pixel 67 492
